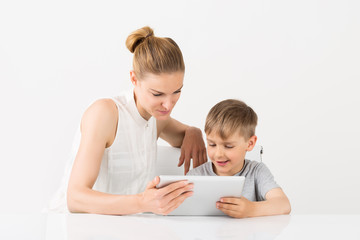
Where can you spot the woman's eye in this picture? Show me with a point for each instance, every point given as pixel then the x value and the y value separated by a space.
pixel 211 145
pixel 157 94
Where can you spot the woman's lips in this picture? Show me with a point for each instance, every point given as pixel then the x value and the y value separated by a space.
pixel 222 163
pixel 164 112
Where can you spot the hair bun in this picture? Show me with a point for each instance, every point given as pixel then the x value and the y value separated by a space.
pixel 137 37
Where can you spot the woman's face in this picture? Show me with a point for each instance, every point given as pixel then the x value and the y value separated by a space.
pixel 156 95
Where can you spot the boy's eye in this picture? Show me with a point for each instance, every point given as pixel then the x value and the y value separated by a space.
pixel 228 146
pixel 177 91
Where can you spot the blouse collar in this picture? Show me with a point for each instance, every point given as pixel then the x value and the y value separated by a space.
pixel 134 110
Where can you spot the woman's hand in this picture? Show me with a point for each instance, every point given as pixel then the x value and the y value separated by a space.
pixel 164 200
pixel 236 207
pixel 193 146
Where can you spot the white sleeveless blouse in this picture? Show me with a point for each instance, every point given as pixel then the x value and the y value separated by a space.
pixel 128 164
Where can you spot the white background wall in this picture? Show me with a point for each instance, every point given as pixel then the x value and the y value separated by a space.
pixel 295 62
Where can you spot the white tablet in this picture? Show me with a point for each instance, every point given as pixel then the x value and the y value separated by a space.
pixel 207 191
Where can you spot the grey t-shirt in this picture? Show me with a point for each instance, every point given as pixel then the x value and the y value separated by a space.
pixel 258 178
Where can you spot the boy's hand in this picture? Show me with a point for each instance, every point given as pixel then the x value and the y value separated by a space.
pixel 236 207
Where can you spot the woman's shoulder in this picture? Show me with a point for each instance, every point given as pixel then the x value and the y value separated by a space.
pixel 104 107
pixel 101 116
pixel 109 105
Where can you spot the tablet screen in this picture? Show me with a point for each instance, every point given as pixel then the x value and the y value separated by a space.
pixel 207 191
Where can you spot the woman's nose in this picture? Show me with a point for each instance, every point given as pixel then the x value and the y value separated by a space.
pixel 167 104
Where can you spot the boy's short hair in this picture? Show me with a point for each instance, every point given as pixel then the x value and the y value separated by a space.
pixel 230 116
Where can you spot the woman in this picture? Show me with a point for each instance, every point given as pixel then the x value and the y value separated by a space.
pixel 114 163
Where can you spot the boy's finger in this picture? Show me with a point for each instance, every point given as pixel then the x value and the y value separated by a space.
pixel 226 206
pixel 229 212
pixel 230 200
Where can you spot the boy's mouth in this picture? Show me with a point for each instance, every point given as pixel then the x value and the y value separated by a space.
pixel 222 163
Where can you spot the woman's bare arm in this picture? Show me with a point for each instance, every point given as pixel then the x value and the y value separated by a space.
pixel 188 138
pixel 98 129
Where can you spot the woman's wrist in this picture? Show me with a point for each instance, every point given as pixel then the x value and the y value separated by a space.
pixel 139 203
pixel 193 130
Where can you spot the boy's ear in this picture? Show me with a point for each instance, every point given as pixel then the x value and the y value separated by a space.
pixel 251 143
pixel 133 78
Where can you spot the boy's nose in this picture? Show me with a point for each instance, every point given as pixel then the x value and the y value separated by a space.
pixel 219 153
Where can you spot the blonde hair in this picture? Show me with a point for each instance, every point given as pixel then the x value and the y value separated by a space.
pixel 154 54
pixel 231 116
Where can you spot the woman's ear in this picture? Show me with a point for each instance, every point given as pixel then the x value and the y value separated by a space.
pixel 251 143
pixel 133 78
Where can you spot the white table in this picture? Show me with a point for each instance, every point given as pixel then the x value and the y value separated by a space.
pixel 149 226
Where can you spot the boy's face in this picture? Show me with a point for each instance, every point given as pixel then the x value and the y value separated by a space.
pixel 228 155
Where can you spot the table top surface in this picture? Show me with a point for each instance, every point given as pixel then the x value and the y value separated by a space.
pixel 150 226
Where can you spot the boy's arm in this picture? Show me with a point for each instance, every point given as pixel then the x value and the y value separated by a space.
pixel 276 203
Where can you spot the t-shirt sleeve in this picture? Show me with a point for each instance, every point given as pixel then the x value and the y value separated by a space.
pixel 194 172
pixel 202 170
pixel 191 173
pixel 264 181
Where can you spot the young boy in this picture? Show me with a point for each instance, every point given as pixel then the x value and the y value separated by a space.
pixel 230 132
